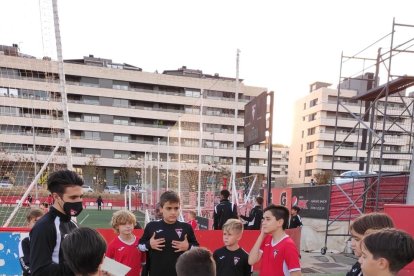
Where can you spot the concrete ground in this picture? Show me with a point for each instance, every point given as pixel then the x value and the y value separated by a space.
pixel 332 264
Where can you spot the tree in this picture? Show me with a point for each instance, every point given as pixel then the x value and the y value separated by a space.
pixel 93 173
pixel 323 177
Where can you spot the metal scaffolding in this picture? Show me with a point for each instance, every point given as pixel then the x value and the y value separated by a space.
pixel 383 128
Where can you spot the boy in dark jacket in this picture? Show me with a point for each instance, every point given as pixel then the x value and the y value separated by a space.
pixel 254 220
pixel 224 210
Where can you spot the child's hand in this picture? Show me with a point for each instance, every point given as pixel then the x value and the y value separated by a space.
pixel 181 245
pixel 157 244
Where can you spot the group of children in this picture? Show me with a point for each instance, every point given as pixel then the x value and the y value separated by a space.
pixel 164 248
pixel 382 250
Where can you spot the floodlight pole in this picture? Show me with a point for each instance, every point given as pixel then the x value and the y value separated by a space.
pixel 270 151
pixel 235 125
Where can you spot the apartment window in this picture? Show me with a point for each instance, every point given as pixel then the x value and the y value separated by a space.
pixel 303 118
pixel 91 100
pixel 122 85
pixel 91 118
pixel 313 102
pixel 312 117
pixel 309 159
pixel 120 154
pixel 301 147
pixel 311 131
pixel 304 106
pixel 90 82
pixel 121 103
pixel 308 173
pixel 310 145
pixel 300 161
pixel 8 110
pixel 300 173
pixel 121 138
pixel 192 93
pixel 121 121
pixel 303 133
pixel 92 135
pixel 192 109
pixel 92 152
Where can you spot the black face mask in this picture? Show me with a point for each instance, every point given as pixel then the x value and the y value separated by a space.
pixel 72 209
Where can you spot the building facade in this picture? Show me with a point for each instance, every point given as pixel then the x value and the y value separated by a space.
pixel 121 118
pixel 311 152
pixel 280 162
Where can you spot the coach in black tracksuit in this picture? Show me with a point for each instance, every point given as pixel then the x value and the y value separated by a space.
pixel 224 210
pixel 254 220
pixel 46 236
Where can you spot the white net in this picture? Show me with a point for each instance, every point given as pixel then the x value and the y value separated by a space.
pixel 30 125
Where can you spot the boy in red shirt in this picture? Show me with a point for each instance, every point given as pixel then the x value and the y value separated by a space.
pixel 276 249
pixel 123 248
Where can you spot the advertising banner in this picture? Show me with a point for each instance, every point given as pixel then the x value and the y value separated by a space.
pixel 313 201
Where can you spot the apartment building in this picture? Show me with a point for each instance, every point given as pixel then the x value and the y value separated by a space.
pixel 120 115
pixel 314 133
pixel 280 161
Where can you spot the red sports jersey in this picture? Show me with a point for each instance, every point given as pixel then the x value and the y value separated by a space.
pixel 280 258
pixel 127 254
pixel 193 224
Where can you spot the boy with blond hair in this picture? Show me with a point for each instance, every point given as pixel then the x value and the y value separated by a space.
pixel 386 252
pixel 276 249
pixel 232 260
pixel 123 248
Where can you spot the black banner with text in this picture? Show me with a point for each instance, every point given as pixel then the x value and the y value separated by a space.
pixel 313 201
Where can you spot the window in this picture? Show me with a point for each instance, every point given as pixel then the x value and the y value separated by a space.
pixel 301 147
pixel 313 102
pixel 311 131
pixel 304 106
pixel 122 85
pixel 121 103
pixel 303 133
pixel 121 138
pixel 119 154
pixel 308 173
pixel 312 117
pixel 300 161
pixel 310 145
pixel 91 100
pixel 92 135
pixel 192 93
pixel 192 109
pixel 91 118
pixel 121 121
pixel 309 159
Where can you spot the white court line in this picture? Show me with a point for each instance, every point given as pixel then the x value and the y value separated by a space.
pixel 84 219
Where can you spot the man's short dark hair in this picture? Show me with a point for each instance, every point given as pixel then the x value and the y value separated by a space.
pixel 279 212
pixel 396 246
pixel 296 208
pixel 196 262
pixel 259 200
pixel 83 250
pixel 59 180
pixel 169 196
pixel 225 194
